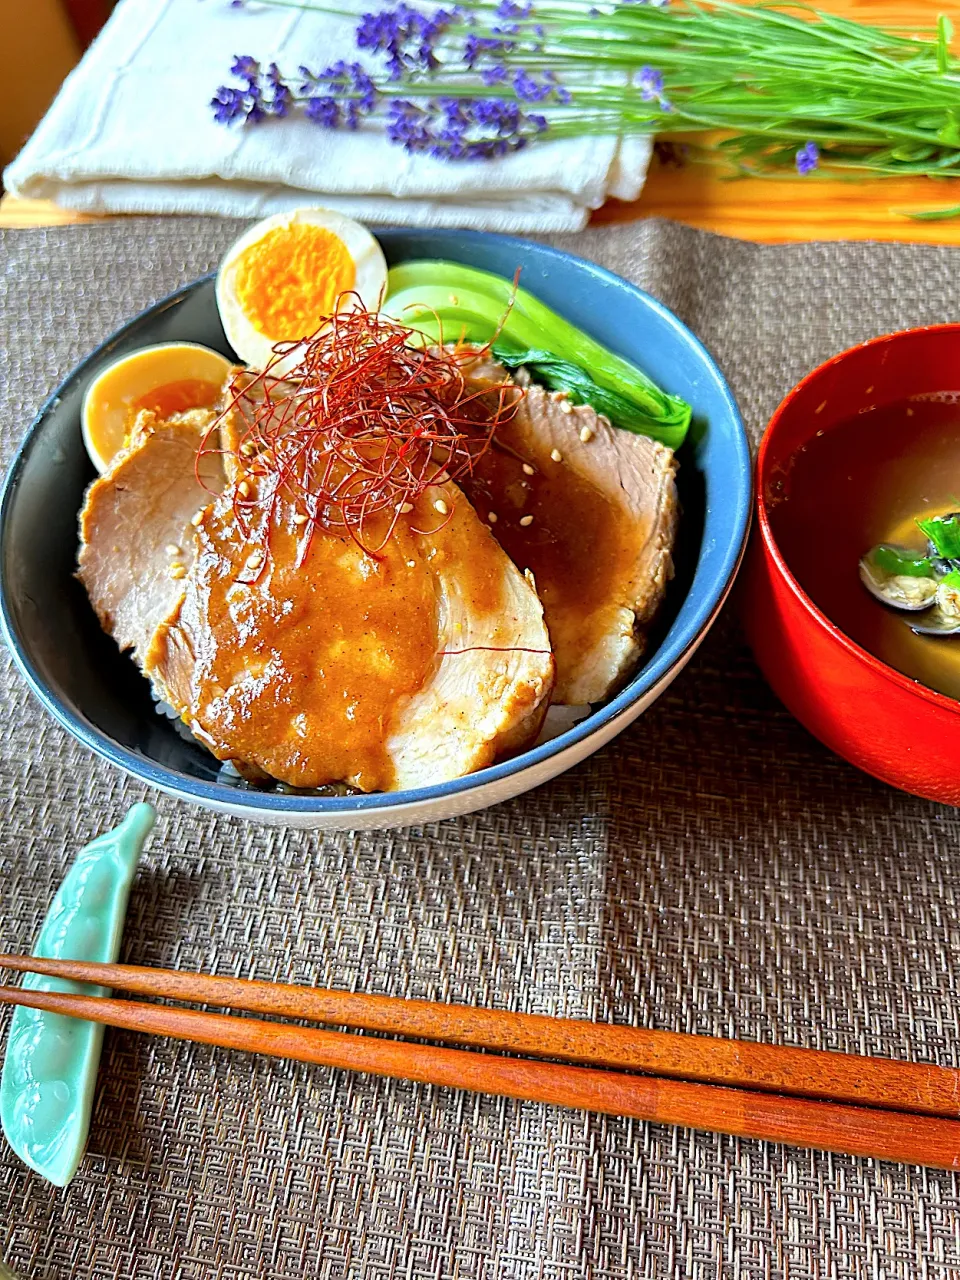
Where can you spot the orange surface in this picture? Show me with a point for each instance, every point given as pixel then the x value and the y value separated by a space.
pixel 754 209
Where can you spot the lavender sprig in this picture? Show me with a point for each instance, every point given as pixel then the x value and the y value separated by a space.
pixel 405 37
pixel 446 127
pixel 462 128
pixel 808 158
pixel 341 95
pixel 787 94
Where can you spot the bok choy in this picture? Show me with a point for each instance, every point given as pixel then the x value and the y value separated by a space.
pixel 448 302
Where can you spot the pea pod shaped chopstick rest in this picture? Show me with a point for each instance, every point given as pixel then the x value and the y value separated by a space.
pixel 50 1071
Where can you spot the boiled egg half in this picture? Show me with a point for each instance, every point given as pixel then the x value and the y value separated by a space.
pixel 169 378
pixel 290 273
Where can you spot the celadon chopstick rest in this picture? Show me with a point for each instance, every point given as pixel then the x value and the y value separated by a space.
pixel 50 1071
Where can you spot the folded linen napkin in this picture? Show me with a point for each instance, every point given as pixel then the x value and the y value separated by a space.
pixel 132 131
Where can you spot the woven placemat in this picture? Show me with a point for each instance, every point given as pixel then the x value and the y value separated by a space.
pixel 713 870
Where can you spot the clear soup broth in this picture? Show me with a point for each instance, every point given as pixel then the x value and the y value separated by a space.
pixel 861 482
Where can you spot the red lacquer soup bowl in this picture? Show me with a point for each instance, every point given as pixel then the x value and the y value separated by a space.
pixel 884 722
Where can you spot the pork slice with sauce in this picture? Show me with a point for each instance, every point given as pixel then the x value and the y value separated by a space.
pixel 591 511
pixel 301 655
pixel 242 395
pixel 136 538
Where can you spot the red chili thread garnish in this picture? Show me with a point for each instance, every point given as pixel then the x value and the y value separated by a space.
pixel 490 648
pixel 364 422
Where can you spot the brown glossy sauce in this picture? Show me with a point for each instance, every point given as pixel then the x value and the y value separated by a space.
pixel 300 670
pixel 579 548
pixel 479 574
pixel 177 397
pixel 862 482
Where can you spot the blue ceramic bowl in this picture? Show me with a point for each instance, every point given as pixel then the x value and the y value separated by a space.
pixel 99 696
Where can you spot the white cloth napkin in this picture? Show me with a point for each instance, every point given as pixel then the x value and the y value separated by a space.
pixel 132 131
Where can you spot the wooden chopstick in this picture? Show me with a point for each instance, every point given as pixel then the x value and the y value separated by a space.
pixel 813 1073
pixel 859 1131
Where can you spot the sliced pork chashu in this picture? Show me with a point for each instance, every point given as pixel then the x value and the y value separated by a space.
pixel 318 663
pixel 595 523
pixel 136 537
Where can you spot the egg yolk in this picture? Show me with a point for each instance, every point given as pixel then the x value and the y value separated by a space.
pixel 288 282
pixel 177 397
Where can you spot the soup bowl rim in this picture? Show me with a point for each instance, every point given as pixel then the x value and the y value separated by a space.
pixel 942 700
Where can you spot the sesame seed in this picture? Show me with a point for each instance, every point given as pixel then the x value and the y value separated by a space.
pixel 255 557
pixel 411 564
pixel 558 396
pixel 492 517
pixel 172 549
pixel 566 406
pixel 248 448
pixel 526 521
pixel 556 455
pixel 300 518
pixel 441 506
pixel 528 470
pixel 244 489
pixel 195 519
pixel 586 434
pixel 406 508
pixel 177 571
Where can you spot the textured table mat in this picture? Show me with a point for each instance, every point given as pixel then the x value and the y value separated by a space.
pixel 713 870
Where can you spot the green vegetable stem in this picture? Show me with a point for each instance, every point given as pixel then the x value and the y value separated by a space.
pixel 944 533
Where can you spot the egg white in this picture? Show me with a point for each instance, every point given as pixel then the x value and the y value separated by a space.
pixel 370 268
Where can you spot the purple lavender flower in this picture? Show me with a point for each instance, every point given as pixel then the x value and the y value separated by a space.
pixel 477 48
pixel 808 158
pixel 364 87
pixel 262 94
pixel 231 104
pixel 341 94
pixel 246 68
pixel 408 126
pixel 462 128
pixel 228 105
pixel 406 36
pixel 560 94
pixel 528 89
pixel 496 74
pixel 650 83
pixel 280 98
pixel 510 9
pixel 323 111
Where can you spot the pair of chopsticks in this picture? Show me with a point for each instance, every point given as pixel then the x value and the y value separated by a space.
pixel 902 1111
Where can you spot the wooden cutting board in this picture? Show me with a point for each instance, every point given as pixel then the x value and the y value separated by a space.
pixel 752 209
